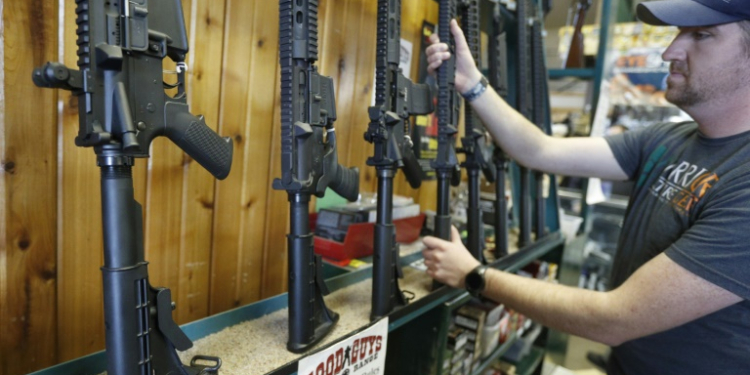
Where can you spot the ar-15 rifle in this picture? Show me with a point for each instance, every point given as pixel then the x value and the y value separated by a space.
pixel 473 140
pixel 522 21
pixel 122 107
pixel 540 118
pixel 498 77
pixel 445 163
pixel 396 99
pixel 309 164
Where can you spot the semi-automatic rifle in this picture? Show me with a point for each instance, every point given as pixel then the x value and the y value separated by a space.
pixel 122 107
pixel 540 116
pixel 473 141
pixel 309 164
pixel 523 107
pixel 396 99
pixel 498 78
pixel 445 163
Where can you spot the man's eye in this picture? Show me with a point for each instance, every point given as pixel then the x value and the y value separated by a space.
pixel 699 35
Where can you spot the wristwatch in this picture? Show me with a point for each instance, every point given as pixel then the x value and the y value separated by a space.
pixel 476 91
pixel 475 282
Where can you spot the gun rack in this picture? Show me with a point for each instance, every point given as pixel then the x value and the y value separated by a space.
pixel 264 322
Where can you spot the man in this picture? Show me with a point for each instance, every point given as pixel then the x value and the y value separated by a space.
pixel 681 302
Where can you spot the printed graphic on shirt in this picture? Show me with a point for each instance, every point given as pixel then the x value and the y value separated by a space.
pixel 680 184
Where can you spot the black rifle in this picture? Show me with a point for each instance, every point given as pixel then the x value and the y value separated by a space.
pixel 498 77
pixel 473 140
pixel 396 99
pixel 541 106
pixel 445 163
pixel 309 164
pixel 524 100
pixel 122 107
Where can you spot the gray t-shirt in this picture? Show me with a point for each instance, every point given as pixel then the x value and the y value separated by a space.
pixel 691 200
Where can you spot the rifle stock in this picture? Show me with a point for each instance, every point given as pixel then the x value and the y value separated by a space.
pixel 575 51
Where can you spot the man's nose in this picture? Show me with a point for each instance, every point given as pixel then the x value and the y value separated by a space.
pixel 674 52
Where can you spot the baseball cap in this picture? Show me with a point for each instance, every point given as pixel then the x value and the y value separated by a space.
pixel 688 13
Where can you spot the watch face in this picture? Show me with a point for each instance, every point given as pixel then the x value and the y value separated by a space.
pixel 474 281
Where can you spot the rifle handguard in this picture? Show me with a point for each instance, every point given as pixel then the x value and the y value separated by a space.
pixel 199 141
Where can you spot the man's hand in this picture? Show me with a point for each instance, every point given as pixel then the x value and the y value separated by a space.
pixel 467 73
pixel 448 262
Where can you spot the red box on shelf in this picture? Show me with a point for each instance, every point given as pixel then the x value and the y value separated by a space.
pixel 359 238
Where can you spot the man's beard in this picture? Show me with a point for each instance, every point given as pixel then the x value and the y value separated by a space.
pixel 683 95
pixel 713 85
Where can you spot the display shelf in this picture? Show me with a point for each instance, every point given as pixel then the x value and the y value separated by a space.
pixel 587 73
pixel 96 363
pixel 529 363
pixel 497 353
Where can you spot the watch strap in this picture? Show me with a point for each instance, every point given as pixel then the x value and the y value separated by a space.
pixel 476 91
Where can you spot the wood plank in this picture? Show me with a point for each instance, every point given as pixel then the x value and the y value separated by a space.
pixel 344 54
pixel 163 209
pixel 264 77
pixel 228 235
pixel 248 117
pixel 362 94
pixel 28 183
pixel 198 198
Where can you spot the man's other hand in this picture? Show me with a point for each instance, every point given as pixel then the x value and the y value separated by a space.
pixel 448 262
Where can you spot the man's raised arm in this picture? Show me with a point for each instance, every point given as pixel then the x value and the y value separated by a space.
pixel 519 138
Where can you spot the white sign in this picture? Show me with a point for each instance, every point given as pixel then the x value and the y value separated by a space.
pixel 361 354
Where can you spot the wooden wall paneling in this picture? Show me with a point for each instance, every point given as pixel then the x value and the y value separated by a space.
pixel 251 54
pixel 28 154
pixel 359 119
pixel 344 78
pixel 163 209
pixel 333 61
pixel 234 115
pixel 207 30
pixel 265 81
pixel 5 340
